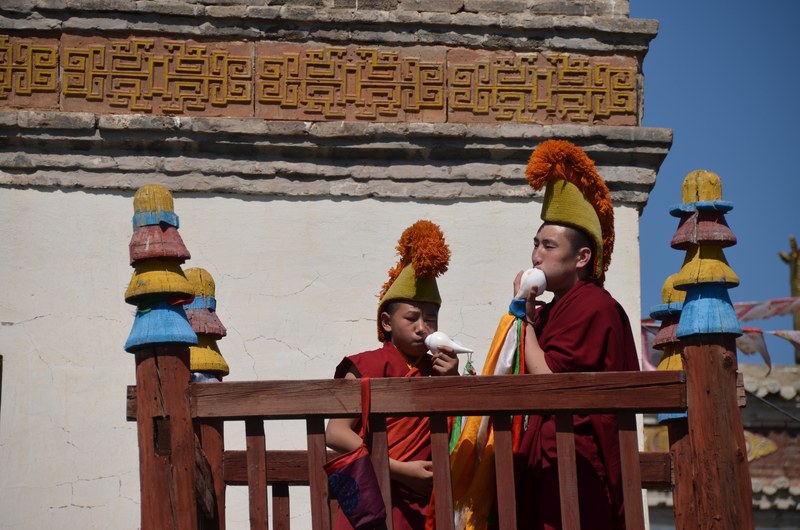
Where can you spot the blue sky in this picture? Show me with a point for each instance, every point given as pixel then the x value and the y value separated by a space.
pixel 723 75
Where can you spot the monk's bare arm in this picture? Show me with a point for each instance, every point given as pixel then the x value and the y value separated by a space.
pixel 534 354
pixel 340 435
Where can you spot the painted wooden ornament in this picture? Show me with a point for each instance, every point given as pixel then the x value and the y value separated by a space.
pixel 701 185
pixel 158 278
pixel 708 310
pixel 671 361
pixel 667 334
pixel 666 340
pixel 705 264
pixel 153 198
pixel 206 357
pixel 703 227
pixel 668 313
pixel 202 311
pixel 160 323
pixel 157 241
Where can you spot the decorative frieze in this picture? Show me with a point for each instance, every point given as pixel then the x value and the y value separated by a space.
pixel 316 82
pixel 28 72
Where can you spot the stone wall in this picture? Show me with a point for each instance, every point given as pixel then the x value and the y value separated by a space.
pixel 299 138
pixel 387 99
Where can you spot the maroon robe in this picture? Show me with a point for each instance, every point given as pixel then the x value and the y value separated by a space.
pixel 408 438
pixel 586 330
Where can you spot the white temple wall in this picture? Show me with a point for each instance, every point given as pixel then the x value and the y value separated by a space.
pixel 296 285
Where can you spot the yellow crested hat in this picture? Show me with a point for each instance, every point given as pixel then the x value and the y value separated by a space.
pixel 575 196
pixel 424 255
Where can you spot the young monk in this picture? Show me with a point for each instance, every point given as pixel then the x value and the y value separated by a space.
pixel 583 329
pixel 407 313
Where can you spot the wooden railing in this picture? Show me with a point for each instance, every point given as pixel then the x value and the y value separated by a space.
pixel 210 404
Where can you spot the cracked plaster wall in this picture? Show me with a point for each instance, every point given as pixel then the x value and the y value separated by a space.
pixel 296 285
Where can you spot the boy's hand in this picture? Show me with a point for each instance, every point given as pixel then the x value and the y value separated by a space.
pixel 416 475
pixel 445 362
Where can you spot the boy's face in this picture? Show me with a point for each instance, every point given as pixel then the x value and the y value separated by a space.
pixel 409 324
pixel 554 255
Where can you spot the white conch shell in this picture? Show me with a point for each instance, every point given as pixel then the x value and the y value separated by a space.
pixel 438 339
pixel 531 277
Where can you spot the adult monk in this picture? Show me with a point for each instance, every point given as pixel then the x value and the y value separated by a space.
pixel 407 313
pixel 583 329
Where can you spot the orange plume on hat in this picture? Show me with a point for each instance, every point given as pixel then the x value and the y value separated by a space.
pixel 423 246
pixel 556 160
pixel 424 255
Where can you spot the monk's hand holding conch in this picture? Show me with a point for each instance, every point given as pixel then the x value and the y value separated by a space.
pixel 444 350
pixel 528 285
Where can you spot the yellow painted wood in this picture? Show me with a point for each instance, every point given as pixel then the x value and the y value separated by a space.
pixel 154 277
pixel 705 264
pixel 201 280
pixel 668 292
pixel 672 358
pixel 701 185
pixel 206 357
pixel 153 198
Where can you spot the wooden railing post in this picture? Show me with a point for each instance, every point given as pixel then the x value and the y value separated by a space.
pixel 208 365
pixel 160 339
pixel 708 328
pixel 666 340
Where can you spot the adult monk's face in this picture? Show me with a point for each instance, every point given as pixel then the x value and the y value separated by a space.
pixel 409 324
pixel 554 254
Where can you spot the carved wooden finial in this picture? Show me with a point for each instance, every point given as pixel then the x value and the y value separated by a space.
pixel 158 285
pixel 202 313
pixel 705 274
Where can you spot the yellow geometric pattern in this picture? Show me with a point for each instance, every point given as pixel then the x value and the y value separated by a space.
pixel 297 81
pixel 27 67
pixel 328 82
pixel 524 88
pixel 134 74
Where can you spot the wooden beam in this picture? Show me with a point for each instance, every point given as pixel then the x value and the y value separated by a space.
pixel 581 393
pixel 291 467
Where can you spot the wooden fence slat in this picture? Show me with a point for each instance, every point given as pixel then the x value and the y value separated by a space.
pixel 567 473
pixel 318 479
pixel 579 393
pixel 631 473
pixel 280 506
pixel 379 454
pixel 504 472
pixel 442 492
pixel 256 474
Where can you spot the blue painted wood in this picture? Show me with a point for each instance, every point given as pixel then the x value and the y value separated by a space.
pixel 202 302
pixel 680 210
pixel 661 311
pixel 667 417
pixel 159 324
pixel 708 310
pixel 154 218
